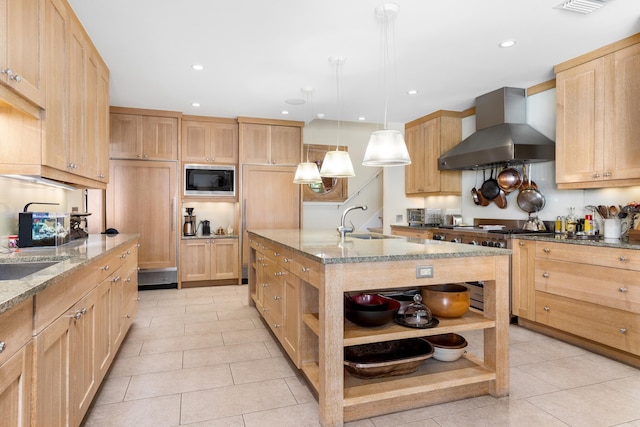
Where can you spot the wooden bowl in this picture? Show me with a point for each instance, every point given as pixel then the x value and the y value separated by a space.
pixel 450 300
pixel 387 358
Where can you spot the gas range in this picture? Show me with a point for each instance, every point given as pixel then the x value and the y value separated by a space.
pixel 495 233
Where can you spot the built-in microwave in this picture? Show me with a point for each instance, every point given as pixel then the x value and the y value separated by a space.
pixel 209 180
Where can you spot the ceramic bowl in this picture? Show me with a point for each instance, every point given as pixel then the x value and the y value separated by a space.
pixel 447 347
pixel 378 310
pixel 450 300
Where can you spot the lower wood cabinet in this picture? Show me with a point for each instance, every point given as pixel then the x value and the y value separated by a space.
pixel 209 259
pixel 409 232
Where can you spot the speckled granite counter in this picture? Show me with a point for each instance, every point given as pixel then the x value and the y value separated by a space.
pixel 72 257
pixel 605 243
pixel 327 247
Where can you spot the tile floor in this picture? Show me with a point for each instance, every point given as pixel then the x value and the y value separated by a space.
pixel 202 357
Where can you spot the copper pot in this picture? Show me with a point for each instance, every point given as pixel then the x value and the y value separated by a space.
pixel 509 179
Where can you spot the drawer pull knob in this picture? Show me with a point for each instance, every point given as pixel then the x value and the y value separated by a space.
pixel 276 254
pixel 545 275
pixel 3 345
pixel 264 309
pixel 286 260
pixel 623 289
pixel 264 285
pixel 623 330
pixel 547 308
pixel 546 250
pixel 305 269
pixel 105 268
pixel 521 243
pixel 275 325
pixel 276 297
pixel 622 258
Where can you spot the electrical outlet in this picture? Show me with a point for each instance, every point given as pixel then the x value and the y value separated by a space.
pixel 424 271
pixel 399 218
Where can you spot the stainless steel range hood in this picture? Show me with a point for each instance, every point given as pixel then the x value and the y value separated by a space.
pixel 502 135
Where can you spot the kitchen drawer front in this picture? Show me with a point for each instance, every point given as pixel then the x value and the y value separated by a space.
pixel 110 263
pixel 608 326
pixel 610 287
pixel 416 234
pixel 627 259
pixel 274 320
pixel 273 300
pixel 15 328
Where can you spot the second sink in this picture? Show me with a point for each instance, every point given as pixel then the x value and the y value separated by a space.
pixel 20 270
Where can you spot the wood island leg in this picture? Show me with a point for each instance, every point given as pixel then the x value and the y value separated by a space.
pixel 496 340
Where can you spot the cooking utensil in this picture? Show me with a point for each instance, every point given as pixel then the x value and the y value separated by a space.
pixel 474 191
pixel 509 179
pixel 603 211
pixel 501 200
pixel 613 211
pixel 529 198
pixel 534 223
pixel 483 200
pixel 490 188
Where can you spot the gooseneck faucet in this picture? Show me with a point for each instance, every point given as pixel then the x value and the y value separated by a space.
pixel 344 229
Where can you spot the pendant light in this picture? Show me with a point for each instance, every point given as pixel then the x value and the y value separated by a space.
pixel 307 172
pixel 337 164
pixel 386 147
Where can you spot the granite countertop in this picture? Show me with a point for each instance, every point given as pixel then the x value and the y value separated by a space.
pixel 70 257
pixel 327 247
pixel 605 243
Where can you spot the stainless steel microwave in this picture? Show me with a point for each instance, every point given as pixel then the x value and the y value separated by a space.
pixel 209 180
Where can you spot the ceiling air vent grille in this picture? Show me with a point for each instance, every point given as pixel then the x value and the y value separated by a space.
pixel 581 6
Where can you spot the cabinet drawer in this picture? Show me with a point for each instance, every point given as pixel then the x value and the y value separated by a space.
pixel 275 323
pixel 627 259
pixel 608 326
pixel 610 287
pixel 273 299
pixel 15 328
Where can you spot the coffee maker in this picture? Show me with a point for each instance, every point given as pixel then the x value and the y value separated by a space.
pixel 189 226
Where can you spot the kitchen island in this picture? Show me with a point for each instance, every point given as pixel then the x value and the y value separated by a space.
pixel 297 280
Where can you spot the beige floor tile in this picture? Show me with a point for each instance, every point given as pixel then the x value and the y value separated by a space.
pixel 300 389
pixel 634 423
pixel 112 390
pixel 156 332
pixel 305 415
pixel 178 381
pixel 235 400
pixel 238 313
pixel 507 413
pixel 525 385
pixel 424 413
pixel 421 423
pixel 629 385
pixel 594 405
pixel 137 365
pixel 202 328
pixel 226 354
pixel 261 370
pixel 140 321
pixel 360 423
pixel 165 310
pixel 519 334
pixel 214 307
pixel 236 421
pixel 165 345
pixel 252 335
pixel 156 412
pixel 130 347
pixel 549 348
pixel 183 318
pixel 518 357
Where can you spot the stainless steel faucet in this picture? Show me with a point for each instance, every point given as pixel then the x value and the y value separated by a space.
pixel 343 229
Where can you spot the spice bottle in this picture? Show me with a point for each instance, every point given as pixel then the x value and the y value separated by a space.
pixel 558 227
pixel 572 220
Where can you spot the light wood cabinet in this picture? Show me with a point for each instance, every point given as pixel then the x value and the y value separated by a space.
pixel 16 363
pixel 270 143
pixel 143 134
pixel 596 132
pixel 522 279
pixel 208 259
pixel 22 51
pixel 416 233
pixel 141 199
pixel 427 138
pixel 209 140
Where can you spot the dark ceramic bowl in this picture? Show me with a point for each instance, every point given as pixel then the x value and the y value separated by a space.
pixel 387 358
pixel 364 315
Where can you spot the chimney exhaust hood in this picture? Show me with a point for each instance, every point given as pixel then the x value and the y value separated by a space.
pixel 502 135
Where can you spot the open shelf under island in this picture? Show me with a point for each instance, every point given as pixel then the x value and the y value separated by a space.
pixel 297 280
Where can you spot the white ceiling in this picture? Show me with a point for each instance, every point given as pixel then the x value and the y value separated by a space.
pixel 258 53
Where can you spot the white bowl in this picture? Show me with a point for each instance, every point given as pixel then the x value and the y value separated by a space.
pixel 448 354
pixel 447 347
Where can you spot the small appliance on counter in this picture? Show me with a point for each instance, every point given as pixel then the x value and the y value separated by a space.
pixel 418 217
pixel 189 226
pixel 206 227
pixel 42 228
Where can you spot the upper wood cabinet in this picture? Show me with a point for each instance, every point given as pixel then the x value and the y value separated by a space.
pixel 270 142
pixel 143 134
pixel 209 140
pixel 21 51
pixel 597 129
pixel 427 138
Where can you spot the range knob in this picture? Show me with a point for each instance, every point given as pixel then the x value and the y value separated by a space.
pixel 486 243
pixel 473 242
pixel 438 237
pixel 456 240
pixel 499 244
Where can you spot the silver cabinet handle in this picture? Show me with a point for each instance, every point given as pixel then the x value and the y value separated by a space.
pixel 547 309
pixel 521 243
pixel 607 174
pixel 305 269
pixel 546 250
pixel 105 268
pixel 275 325
pixel 7 71
pixel 115 279
pixel 545 275
pixel 276 297
pixel 622 289
pixel 2 346
pixel 622 258
pixel 264 285
pixel 596 175
pixel 286 260
pixel 16 77
pixel 623 330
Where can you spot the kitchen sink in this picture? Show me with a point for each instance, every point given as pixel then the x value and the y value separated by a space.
pixel 370 236
pixel 19 270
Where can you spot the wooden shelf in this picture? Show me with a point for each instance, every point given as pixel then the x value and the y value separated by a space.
pixel 355 335
pixel 312 372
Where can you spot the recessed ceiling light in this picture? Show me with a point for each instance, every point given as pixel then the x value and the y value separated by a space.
pixel 362 118
pixel 197 67
pixel 412 92
pixel 195 104
pixel 507 43
pixel 285 112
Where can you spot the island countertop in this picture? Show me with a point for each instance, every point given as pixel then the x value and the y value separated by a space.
pixel 69 258
pixel 327 247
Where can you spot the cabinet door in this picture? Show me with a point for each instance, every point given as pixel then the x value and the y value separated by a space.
pixel 255 143
pixel 77 60
pixel 622 129
pixel 195 260
pixel 414 173
pixel 90 116
pixel 24 54
pixel 15 388
pixel 125 136
pixel 141 199
pixel 159 138
pixel 84 363
pixel 523 279
pixel 580 100
pixel 195 145
pixel 102 123
pixel 224 259
pixel 285 145
pixel 292 321
pixel 224 143
pixel 106 300
pixel 53 367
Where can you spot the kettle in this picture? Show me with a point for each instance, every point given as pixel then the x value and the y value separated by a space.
pixel 534 224
pixel 206 227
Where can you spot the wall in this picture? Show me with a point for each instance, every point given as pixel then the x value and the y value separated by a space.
pixel 15 194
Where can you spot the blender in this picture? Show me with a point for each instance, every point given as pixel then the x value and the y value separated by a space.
pixel 189 226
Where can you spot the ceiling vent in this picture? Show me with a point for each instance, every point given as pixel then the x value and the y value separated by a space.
pixel 581 6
